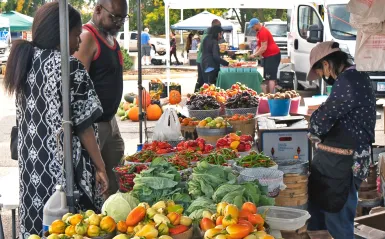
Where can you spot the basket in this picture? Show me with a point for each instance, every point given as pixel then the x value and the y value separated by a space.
pixel 126 180
pixel 189 132
pixel 108 236
pixel 242 111
pixel 202 114
pixel 263 107
pixel 185 235
pixel 271 178
pixel 293 166
pixel 240 168
pixel 279 107
pixel 211 136
pixel 246 127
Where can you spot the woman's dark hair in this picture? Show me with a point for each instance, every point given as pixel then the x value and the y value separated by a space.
pixel 45 35
pixel 335 59
pixel 214 31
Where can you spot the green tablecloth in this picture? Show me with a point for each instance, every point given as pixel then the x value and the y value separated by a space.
pixel 251 79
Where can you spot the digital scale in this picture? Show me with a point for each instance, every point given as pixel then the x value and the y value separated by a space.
pixel 284 138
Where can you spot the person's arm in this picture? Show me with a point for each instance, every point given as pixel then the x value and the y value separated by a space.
pixel 216 55
pixel 88 49
pixel 340 102
pixel 261 49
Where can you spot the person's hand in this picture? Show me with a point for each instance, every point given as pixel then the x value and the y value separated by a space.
pixel 314 139
pixel 251 56
pixel 102 180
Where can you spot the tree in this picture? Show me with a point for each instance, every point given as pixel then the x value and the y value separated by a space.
pixel 264 15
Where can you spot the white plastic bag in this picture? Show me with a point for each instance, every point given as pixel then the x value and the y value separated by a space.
pixel 168 127
pixel 370 52
pixel 366 11
pixel 152 53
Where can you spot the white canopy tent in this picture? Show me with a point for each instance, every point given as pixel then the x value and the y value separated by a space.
pixel 204 4
pixel 201 22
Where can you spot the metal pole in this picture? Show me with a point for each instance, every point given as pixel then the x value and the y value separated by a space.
pixel 181 31
pixel 167 18
pixel 140 87
pixel 67 127
pixel 126 35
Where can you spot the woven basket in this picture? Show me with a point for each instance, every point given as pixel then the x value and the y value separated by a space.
pixel 242 111
pixel 271 178
pixel 202 114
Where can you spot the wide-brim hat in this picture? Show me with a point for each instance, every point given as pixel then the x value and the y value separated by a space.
pixel 318 52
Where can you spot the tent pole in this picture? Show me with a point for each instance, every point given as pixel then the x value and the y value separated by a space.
pixel 126 35
pixel 181 31
pixel 167 19
pixel 67 124
pixel 140 87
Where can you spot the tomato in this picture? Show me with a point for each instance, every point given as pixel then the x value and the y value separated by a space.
pixel 237 231
pixel 256 219
pixel 206 224
pixel 136 216
pixel 231 210
pixel 229 220
pixel 243 214
pixel 249 206
pixel 247 223
pixel 219 220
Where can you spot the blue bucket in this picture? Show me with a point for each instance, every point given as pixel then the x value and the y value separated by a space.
pixel 279 107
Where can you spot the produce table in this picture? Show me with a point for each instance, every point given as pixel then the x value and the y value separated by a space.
pixel 251 79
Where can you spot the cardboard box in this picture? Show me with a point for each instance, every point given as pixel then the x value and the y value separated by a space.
pixel 371 226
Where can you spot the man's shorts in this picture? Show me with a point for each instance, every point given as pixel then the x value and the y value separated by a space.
pixel 146 50
pixel 270 66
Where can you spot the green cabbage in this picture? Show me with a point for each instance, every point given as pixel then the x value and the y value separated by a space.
pixel 119 205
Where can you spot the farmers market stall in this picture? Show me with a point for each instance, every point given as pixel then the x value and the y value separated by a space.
pixel 228 77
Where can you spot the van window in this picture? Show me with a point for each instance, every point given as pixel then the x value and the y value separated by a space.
pixel 288 19
pixel 122 36
pixel 339 22
pixel 277 30
pixel 134 36
pixel 307 17
pixel 250 32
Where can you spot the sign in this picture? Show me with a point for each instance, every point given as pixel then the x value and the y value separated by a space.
pixel 4 35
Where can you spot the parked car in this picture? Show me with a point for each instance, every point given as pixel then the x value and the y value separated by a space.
pixel 159 44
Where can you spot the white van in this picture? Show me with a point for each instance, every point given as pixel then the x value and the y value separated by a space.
pixel 278 29
pixel 158 44
pixel 327 20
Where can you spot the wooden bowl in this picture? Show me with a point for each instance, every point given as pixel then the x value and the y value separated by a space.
pixel 185 235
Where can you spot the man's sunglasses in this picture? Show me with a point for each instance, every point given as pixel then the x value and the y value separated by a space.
pixel 115 19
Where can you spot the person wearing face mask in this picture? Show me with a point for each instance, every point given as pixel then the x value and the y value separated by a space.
pixel 100 53
pixel 342 129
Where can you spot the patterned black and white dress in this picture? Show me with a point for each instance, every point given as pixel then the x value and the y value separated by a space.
pixel 40 139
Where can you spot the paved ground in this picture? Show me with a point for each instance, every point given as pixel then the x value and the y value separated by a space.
pixel 129 130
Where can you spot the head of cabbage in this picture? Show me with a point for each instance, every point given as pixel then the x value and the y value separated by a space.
pixel 119 205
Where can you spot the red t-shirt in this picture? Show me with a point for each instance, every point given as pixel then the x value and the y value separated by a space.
pixel 264 35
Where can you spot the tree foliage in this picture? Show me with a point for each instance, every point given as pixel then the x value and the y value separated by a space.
pixel 264 15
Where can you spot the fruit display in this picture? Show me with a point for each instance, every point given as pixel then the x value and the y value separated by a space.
pixel 239 88
pixel 125 176
pixel 199 145
pixel 217 123
pixel 255 160
pixel 242 100
pixel 229 221
pixel 159 147
pixel 146 99
pixel 281 95
pixel 240 117
pixel 124 109
pixel 221 156
pixel 174 97
pixel 202 102
pixel 182 160
pixel 82 225
pixel 188 121
pixel 236 142
pixel 216 92
pixel 163 218
pixel 143 156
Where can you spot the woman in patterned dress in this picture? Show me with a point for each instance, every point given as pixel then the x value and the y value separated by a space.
pixel 343 131
pixel 34 76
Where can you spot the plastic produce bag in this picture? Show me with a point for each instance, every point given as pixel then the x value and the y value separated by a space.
pixel 371 11
pixel 168 127
pixel 370 52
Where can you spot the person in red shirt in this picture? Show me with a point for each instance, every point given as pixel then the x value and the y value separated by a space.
pixel 268 49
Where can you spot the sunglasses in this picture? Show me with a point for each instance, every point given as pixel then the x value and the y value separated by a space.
pixel 115 19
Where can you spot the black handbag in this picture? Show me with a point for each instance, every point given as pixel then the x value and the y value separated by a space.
pixel 13 145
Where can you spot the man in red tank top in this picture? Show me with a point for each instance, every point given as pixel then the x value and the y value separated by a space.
pixel 100 53
pixel 267 48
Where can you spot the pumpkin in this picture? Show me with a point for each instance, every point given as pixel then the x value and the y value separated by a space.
pixel 146 99
pixel 153 112
pixel 130 97
pixel 133 114
pixel 175 97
